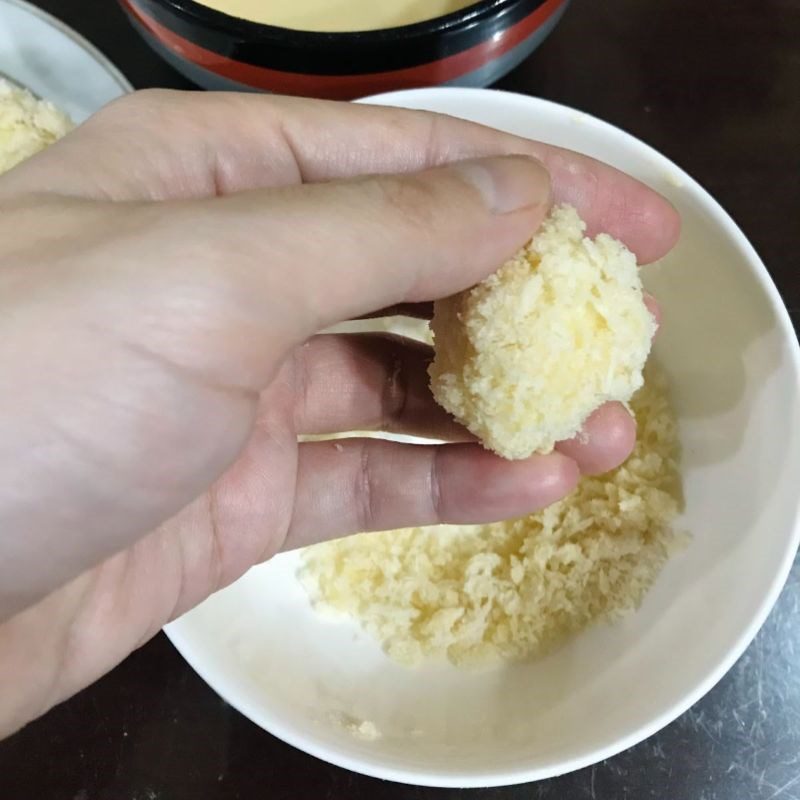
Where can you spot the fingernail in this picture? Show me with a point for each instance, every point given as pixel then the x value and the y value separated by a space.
pixel 508 183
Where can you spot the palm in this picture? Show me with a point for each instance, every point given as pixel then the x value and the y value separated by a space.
pixel 125 600
pixel 243 518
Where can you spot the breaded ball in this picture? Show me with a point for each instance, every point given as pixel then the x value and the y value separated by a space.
pixel 525 357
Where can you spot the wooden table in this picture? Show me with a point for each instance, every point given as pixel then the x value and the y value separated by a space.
pixel 715 85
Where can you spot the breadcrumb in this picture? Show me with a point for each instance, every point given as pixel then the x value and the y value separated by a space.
pixel 482 594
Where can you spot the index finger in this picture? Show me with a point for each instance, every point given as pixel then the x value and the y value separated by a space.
pixel 175 145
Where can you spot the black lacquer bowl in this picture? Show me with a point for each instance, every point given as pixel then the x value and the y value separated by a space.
pixel 471 47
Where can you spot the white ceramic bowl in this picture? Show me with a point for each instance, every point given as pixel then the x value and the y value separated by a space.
pixel 732 356
pixel 53 61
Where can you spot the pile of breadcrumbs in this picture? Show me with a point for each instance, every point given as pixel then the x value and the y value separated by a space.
pixel 479 594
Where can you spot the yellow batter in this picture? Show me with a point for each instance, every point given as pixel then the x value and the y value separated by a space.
pixel 337 15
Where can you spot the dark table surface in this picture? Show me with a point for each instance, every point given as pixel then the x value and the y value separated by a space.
pixel 715 85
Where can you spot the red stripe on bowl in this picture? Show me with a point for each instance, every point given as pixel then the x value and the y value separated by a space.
pixel 346 87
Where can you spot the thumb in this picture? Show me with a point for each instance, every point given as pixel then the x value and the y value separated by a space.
pixel 321 253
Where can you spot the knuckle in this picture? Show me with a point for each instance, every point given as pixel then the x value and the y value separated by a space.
pixel 366 514
pixel 435 486
pixel 433 148
pixel 394 397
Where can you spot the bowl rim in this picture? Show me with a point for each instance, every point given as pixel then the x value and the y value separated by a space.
pixel 471 16
pixel 126 87
pixel 231 691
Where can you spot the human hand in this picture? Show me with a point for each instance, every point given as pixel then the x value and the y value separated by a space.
pixel 163 273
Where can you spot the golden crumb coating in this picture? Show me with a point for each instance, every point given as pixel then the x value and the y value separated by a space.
pixel 525 357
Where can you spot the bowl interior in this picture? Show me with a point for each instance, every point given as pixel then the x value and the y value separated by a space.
pixel 427 25
pixel 732 357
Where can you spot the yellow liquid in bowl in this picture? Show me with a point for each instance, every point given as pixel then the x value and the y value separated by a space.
pixel 337 16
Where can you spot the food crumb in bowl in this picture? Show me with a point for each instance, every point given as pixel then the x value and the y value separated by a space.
pixel 482 594
pixel 523 358
pixel 27 125
pixel 363 729
pixel 674 179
